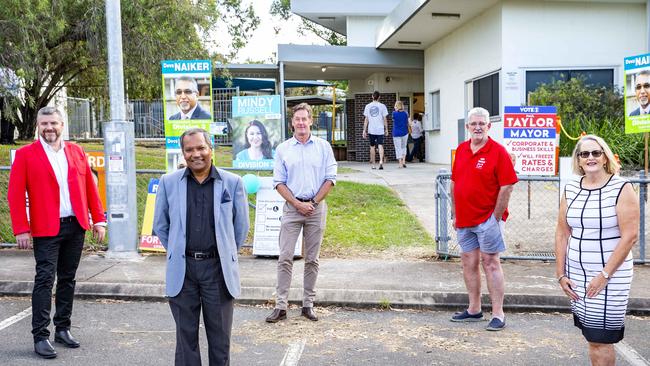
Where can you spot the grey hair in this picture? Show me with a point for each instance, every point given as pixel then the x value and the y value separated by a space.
pixel 194 131
pixel 48 111
pixel 478 111
pixel 190 80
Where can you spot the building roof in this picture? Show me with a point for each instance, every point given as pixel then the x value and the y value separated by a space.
pixel 312 100
pixel 250 84
pixel 345 62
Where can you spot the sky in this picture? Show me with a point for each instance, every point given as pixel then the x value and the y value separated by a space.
pixel 264 43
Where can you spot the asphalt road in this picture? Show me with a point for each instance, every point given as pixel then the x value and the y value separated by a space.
pixel 142 333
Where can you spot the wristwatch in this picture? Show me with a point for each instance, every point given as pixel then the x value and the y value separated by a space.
pixel 313 202
pixel 605 274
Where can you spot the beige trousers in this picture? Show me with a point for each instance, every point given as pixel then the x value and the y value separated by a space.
pixel 313 228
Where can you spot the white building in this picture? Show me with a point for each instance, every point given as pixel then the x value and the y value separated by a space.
pixel 446 56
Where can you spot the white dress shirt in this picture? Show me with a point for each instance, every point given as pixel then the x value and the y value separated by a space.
pixel 59 164
pixel 188 115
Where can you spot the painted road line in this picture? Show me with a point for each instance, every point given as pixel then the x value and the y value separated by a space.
pixel 630 355
pixel 16 318
pixel 292 356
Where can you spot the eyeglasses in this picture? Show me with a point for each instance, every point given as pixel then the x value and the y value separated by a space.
pixel 480 124
pixel 186 91
pixel 644 86
pixel 595 154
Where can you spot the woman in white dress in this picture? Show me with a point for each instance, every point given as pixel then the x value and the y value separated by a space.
pixel 597 226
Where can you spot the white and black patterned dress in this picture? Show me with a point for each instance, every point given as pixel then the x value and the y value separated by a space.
pixel 591 215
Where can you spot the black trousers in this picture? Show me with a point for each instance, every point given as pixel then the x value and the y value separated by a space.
pixel 417 150
pixel 203 288
pixel 55 255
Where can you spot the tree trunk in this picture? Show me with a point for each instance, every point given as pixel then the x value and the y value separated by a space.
pixel 7 128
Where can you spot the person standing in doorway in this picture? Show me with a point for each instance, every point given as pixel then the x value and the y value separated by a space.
pixel 375 127
pixel 417 137
pixel 57 178
pixel 304 173
pixel 482 180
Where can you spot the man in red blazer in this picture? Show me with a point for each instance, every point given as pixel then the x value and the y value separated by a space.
pixel 61 190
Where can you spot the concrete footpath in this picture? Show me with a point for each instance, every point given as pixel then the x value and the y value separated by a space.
pixel 355 282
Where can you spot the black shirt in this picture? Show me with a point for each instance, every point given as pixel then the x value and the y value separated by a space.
pixel 199 229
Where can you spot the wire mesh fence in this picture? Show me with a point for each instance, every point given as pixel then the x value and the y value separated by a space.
pixel 530 228
pixel 6 233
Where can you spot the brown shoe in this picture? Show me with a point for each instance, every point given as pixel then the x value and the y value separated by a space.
pixel 276 316
pixel 309 314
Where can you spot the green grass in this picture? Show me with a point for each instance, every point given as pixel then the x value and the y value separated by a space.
pixel 361 218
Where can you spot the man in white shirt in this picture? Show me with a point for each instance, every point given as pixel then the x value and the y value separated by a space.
pixel 375 127
pixel 57 178
pixel 187 100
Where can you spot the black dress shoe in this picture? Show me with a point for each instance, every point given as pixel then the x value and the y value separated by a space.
pixel 309 314
pixel 44 349
pixel 276 316
pixel 64 337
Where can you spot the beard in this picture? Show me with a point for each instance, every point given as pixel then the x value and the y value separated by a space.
pixel 50 136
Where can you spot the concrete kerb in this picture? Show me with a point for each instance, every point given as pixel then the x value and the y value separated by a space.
pixel 351 298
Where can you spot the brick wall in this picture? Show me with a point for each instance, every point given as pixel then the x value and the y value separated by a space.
pixel 350 118
pixel 358 147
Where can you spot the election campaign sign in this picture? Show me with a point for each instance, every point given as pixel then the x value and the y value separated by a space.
pixel 256 131
pixel 529 133
pixel 637 93
pixel 187 103
pixel 268 213
pixel 148 241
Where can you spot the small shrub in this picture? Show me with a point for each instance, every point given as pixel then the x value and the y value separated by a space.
pixel 594 110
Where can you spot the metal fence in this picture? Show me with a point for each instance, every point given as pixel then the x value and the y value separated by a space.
pixel 79 118
pixel 530 229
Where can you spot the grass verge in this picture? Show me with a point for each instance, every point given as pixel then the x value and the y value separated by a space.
pixel 362 218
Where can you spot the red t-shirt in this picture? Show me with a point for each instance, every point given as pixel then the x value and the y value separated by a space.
pixel 477 181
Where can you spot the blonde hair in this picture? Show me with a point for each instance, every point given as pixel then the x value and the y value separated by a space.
pixel 399 105
pixel 611 166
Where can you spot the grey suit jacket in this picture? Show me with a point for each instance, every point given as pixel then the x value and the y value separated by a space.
pixel 230 222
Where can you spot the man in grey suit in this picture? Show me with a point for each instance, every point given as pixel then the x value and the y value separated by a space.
pixel 187 100
pixel 201 218
pixel 642 93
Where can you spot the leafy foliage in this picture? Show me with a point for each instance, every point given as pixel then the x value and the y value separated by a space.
pixel 56 44
pixel 594 110
pixel 282 9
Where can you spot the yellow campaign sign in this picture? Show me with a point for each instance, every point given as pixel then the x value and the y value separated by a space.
pixel 148 241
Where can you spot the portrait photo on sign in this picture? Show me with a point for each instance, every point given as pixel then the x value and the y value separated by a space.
pixel 254 141
pixel 187 97
pixel 637 93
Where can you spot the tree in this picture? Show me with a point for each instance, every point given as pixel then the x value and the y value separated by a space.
pixel 53 44
pixel 282 9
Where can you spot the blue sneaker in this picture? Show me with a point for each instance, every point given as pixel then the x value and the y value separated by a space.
pixel 467 317
pixel 496 324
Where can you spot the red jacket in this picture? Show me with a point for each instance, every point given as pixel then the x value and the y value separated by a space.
pixel 32 172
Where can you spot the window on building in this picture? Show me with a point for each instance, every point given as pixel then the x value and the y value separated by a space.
pixel 432 123
pixel 594 77
pixel 484 92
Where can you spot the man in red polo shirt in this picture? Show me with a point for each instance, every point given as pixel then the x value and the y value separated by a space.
pixel 482 181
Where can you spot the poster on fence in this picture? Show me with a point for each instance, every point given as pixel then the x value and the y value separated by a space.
pixel 529 136
pixel 148 241
pixel 637 93
pixel 268 213
pixel 187 103
pixel 256 131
